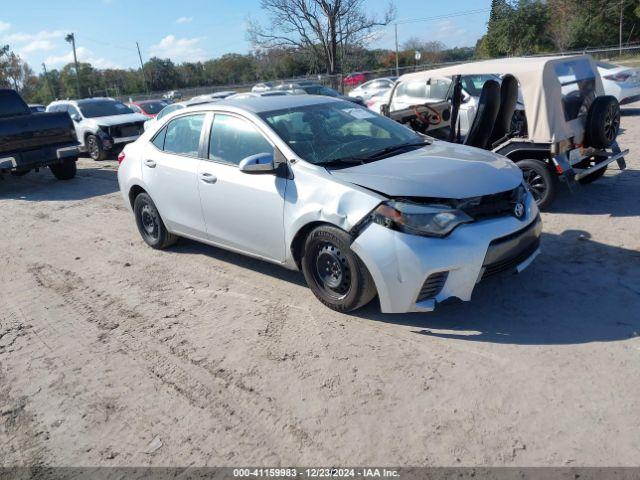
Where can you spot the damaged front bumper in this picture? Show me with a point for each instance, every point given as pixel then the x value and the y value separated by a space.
pixel 413 273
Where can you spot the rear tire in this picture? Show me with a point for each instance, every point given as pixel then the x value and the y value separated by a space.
pixel 94 148
pixel 150 224
pixel 66 170
pixel 541 181
pixel 335 275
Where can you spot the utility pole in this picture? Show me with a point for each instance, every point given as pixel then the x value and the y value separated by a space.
pixel 46 79
pixel 397 61
pixel 71 38
pixel 144 76
pixel 620 33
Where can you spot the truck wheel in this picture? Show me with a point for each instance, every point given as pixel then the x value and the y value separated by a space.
pixel 592 177
pixel 541 181
pixel 94 147
pixel 603 121
pixel 150 224
pixel 65 170
pixel 335 275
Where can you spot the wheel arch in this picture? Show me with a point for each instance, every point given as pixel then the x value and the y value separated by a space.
pixel 134 191
pixel 297 242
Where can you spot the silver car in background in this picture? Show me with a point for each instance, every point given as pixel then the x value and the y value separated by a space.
pixel 361 204
pixel 372 88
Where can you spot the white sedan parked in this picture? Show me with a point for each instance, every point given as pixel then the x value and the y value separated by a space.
pixel 621 82
pixel 361 204
pixel 373 87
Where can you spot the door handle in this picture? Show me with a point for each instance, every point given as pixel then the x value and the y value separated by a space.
pixel 208 177
pixel 150 163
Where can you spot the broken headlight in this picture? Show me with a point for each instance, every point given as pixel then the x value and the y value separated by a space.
pixel 427 220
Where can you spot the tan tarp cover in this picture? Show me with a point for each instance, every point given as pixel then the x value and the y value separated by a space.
pixel 541 91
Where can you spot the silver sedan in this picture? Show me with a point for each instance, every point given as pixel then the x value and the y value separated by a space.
pixel 362 205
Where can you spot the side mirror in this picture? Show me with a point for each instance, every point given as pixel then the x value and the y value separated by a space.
pixel 384 109
pixel 260 163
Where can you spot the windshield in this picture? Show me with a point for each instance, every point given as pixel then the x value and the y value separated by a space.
pixel 320 90
pixel 473 84
pixel 103 108
pixel 335 131
pixel 152 108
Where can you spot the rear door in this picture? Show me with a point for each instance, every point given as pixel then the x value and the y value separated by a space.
pixel 170 171
pixel 242 211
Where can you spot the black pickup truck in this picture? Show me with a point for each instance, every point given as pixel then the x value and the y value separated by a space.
pixel 30 141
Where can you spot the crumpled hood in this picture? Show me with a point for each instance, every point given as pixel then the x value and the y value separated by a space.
pixel 119 119
pixel 440 170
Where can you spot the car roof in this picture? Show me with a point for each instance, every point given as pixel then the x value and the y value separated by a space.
pixel 266 104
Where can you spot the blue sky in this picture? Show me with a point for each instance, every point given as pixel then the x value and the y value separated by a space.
pixel 189 30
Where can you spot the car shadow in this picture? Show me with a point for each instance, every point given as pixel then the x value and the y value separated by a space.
pixel 42 186
pixel 193 247
pixel 616 194
pixel 577 291
pixel 629 112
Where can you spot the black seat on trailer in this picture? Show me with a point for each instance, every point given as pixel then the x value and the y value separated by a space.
pixel 485 118
pixel 508 102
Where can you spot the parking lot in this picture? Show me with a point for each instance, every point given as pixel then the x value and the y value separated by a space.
pixel 112 353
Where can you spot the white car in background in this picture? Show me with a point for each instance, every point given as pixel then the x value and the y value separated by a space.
pixel 621 82
pixel 376 101
pixel 361 204
pixel 372 88
pixel 103 125
pixel 415 92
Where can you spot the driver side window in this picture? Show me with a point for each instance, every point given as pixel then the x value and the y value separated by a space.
pixel 234 139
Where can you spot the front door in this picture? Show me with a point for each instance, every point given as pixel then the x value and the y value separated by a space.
pixel 242 211
pixel 170 172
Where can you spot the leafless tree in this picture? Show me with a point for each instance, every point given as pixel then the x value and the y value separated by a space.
pixel 324 28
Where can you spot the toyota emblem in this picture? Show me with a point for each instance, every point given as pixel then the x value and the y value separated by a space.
pixel 518 210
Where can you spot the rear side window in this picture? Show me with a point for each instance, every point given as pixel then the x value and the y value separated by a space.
pixel 233 139
pixel 578 82
pixel 158 140
pixel 183 135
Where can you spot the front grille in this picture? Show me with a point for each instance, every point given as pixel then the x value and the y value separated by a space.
pixel 128 130
pixel 433 285
pixel 506 253
pixel 495 205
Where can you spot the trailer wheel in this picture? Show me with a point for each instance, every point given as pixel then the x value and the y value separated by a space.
pixel 541 181
pixel 66 170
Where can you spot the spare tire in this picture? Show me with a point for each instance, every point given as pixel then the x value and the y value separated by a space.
pixel 603 122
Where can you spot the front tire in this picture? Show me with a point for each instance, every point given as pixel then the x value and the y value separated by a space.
pixel 335 275
pixel 150 224
pixel 94 148
pixel 541 181
pixel 66 170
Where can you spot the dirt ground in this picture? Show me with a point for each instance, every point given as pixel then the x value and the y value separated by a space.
pixel 112 353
